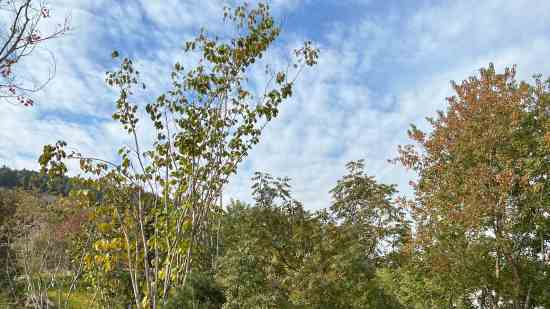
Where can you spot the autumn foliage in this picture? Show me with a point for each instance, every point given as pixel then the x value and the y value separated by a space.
pixel 482 195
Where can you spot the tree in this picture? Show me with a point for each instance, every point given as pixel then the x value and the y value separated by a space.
pixel 359 232
pixel 367 211
pixel 263 246
pixel 153 209
pixel 278 255
pixel 23 32
pixel 482 198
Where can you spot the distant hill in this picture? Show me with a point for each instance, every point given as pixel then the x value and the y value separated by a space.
pixel 32 180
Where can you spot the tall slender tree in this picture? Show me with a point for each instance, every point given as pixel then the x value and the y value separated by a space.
pixel 153 209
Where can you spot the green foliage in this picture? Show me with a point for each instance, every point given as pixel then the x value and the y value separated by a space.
pixel 201 291
pixel 278 255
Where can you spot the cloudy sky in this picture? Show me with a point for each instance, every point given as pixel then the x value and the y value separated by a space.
pixel 383 66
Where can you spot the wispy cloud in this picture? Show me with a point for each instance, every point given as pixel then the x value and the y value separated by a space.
pixel 382 67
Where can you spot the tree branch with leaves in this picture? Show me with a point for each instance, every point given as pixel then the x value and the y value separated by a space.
pixel 23 31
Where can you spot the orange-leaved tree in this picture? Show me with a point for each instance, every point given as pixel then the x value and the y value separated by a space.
pixel 482 200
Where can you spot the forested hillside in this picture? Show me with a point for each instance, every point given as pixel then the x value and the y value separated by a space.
pixel 150 229
pixel 32 180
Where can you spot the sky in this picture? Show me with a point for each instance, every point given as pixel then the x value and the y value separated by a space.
pixel 383 65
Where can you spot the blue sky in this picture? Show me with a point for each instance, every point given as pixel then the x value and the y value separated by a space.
pixel 383 65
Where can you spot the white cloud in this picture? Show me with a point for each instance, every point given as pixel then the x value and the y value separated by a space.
pixel 335 117
pixel 375 77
